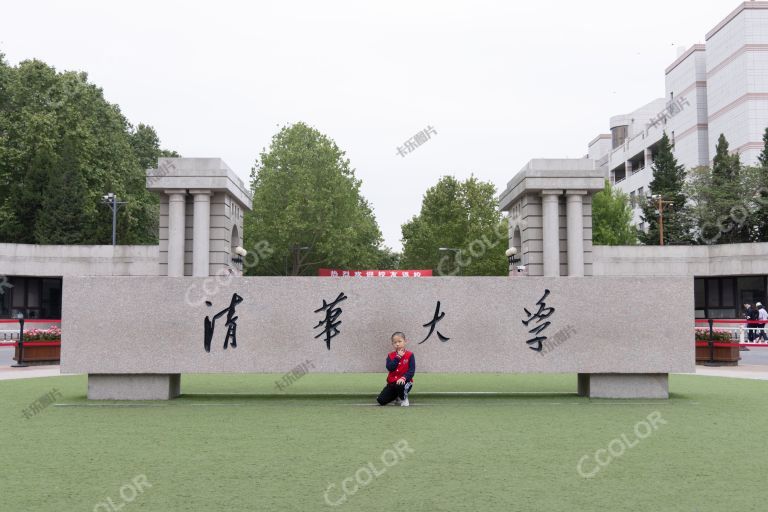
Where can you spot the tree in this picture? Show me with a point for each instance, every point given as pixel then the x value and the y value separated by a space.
pixel 307 206
pixel 57 130
pixel 63 201
pixel 722 200
pixel 457 215
pixel 146 146
pixel 612 218
pixel 388 259
pixel 725 166
pixel 763 156
pixel 757 180
pixel 668 181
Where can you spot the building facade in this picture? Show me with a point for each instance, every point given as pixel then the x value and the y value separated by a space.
pixel 717 87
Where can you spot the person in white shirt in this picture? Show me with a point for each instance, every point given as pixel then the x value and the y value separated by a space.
pixel 762 316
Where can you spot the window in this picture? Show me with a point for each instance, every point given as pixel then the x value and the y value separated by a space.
pixel 632 199
pixel 727 294
pixel 35 297
pixel 698 293
pixel 713 293
pixel 618 136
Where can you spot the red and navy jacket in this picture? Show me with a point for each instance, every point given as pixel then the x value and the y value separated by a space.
pixel 401 367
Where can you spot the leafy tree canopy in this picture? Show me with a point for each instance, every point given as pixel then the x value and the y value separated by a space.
pixel 62 147
pixel 457 215
pixel 308 209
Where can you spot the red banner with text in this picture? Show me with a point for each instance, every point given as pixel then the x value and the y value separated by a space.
pixel 332 272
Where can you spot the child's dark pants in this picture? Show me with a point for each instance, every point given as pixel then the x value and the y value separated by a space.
pixel 392 391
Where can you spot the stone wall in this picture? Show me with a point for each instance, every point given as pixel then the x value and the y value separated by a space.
pixel 78 260
pixel 599 324
pixel 681 260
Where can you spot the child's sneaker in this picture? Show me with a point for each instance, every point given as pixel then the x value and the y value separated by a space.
pixel 404 403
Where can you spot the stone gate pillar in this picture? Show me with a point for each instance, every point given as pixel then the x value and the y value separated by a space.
pixel 202 202
pixel 550 208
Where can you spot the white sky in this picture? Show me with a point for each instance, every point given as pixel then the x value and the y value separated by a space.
pixel 501 82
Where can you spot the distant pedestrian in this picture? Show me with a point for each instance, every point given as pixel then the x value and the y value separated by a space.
pixel 750 314
pixel 762 316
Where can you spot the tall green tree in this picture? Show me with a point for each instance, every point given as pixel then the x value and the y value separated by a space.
pixel 722 199
pixel 462 216
pixel 308 208
pixel 725 166
pixel 57 130
pixel 758 185
pixel 63 201
pixel 668 181
pixel 762 158
pixel 612 218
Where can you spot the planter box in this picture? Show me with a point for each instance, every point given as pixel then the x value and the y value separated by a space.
pixel 726 355
pixel 39 355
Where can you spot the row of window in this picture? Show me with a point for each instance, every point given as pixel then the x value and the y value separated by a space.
pixel 724 297
pixel 35 297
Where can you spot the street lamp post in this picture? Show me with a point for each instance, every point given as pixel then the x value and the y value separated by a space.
pixel 511 253
pixel 456 251
pixel 20 360
pixel 110 200
pixel 296 258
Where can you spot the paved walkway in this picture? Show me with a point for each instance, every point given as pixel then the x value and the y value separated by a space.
pixel 743 371
pixel 8 373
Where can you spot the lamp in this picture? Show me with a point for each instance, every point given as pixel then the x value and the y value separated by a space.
pixel 20 359
pixel 511 253
pixel 240 254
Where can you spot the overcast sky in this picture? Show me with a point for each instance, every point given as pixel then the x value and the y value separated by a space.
pixel 501 82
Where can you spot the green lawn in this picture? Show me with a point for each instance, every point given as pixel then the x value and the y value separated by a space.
pixel 233 443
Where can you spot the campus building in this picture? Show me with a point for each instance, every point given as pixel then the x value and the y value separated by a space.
pixel 717 87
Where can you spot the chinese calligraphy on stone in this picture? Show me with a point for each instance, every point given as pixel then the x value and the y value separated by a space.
pixel 330 323
pixel 543 313
pixel 231 324
pixel 435 319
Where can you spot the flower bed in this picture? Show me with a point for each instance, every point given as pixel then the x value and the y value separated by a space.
pixel 38 348
pixel 725 355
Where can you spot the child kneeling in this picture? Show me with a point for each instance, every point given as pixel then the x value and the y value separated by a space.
pixel 401 365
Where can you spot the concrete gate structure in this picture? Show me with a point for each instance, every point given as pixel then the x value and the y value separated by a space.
pixel 198 236
pixel 604 329
pixel 550 215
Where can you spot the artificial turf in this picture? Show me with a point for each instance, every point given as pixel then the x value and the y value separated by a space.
pixel 232 442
